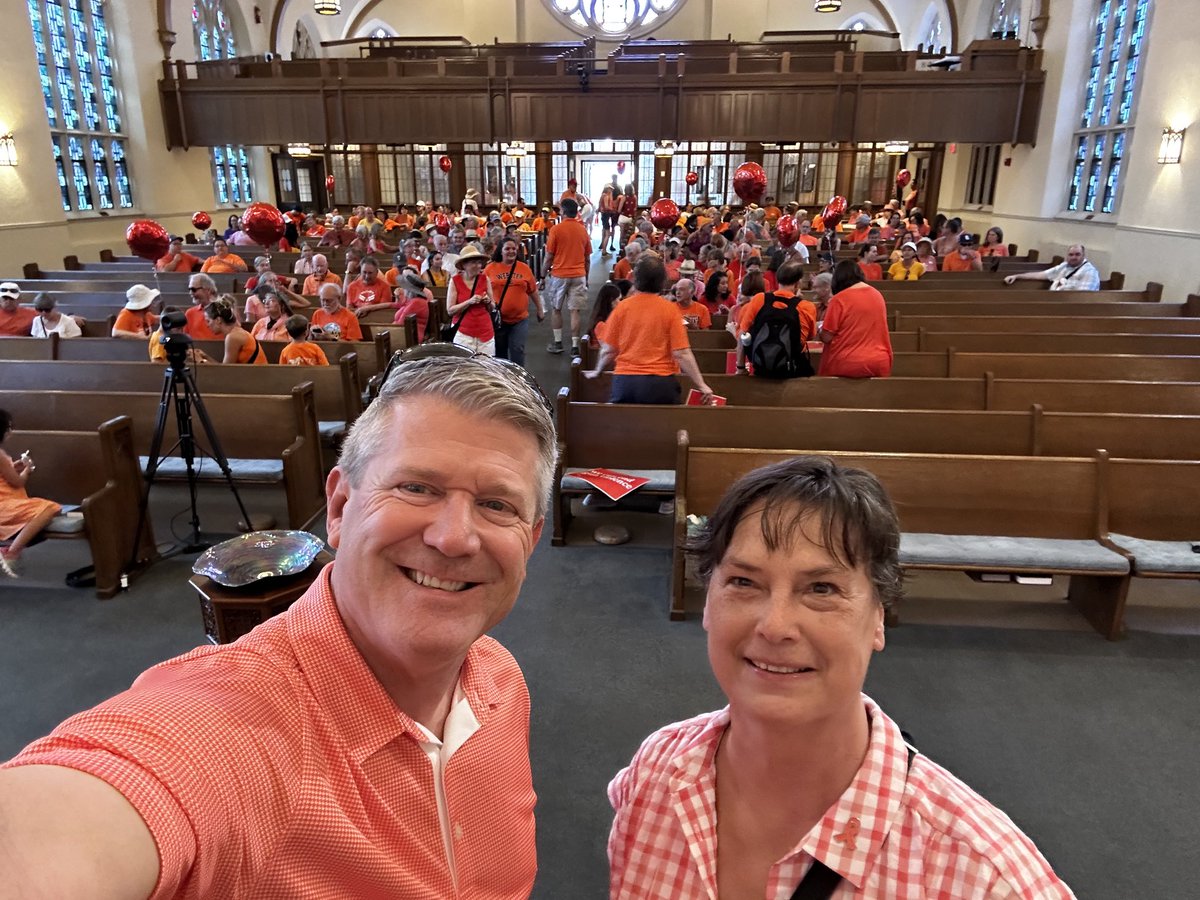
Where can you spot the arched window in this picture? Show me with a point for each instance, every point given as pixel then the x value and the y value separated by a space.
pixel 1006 19
pixel 232 183
pixel 302 43
pixel 614 18
pixel 380 32
pixel 934 34
pixel 79 89
pixel 1118 33
pixel 863 22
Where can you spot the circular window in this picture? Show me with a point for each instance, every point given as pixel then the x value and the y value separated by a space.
pixel 614 18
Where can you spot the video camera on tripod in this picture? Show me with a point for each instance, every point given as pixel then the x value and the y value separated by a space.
pixel 176 342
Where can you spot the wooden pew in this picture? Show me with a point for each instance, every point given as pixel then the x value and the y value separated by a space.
pixel 988 515
pixel 986 392
pixel 1049 324
pixel 1073 366
pixel 1024 307
pixel 269 439
pixel 337 388
pixel 97 470
pixel 1151 515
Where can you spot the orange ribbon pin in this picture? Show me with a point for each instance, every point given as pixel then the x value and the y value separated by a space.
pixel 849 837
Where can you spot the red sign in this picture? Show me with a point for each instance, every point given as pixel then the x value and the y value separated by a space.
pixel 613 485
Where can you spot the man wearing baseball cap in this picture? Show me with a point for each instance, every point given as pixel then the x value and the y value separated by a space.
pixel 135 321
pixel 15 320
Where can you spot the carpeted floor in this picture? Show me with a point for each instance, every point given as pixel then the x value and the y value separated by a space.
pixel 1090 746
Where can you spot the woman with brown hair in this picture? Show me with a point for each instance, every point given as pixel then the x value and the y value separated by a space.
pixel 240 346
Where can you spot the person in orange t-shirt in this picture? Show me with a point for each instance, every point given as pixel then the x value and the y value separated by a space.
pixel 868 258
pixel 966 258
pixel 623 270
pixel 222 262
pixel 567 260
pixel 333 313
pixel 646 337
pixel 788 276
pixel 240 345
pixel 176 260
pixel 695 315
pixel 855 328
pixel 512 287
pixel 135 321
pixel 300 351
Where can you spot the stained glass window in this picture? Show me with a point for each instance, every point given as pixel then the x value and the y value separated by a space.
pixel 614 17
pixel 1118 35
pixel 79 90
pixel 1006 19
pixel 233 183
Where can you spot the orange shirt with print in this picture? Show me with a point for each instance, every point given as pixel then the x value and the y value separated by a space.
pixel 359 293
pixel 343 318
pixel 305 354
pixel 139 321
pixel 645 330
pixel 696 315
pixel 224 265
pixel 805 309
pixel 515 307
pixel 571 245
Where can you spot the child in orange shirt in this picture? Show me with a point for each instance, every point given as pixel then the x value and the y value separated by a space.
pixel 300 351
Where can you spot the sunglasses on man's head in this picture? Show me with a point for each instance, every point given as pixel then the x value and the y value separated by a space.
pixel 439 349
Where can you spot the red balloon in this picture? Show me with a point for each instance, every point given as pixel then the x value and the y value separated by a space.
pixel 147 239
pixel 692 178
pixel 445 164
pixel 750 182
pixel 442 223
pixel 903 177
pixel 664 214
pixel 621 167
pixel 787 229
pixel 329 183
pixel 264 223
pixel 201 220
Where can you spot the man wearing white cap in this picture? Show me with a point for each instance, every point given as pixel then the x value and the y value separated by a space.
pixel 135 321
pixel 15 320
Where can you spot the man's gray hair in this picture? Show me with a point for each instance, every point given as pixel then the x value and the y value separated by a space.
pixel 204 280
pixel 823 278
pixel 480 386
pixel 336 290
pixel 320 257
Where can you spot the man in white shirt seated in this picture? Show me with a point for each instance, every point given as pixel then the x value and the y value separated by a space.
pixel 1075 274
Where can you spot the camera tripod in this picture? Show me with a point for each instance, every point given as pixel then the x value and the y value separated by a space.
pixel 180 391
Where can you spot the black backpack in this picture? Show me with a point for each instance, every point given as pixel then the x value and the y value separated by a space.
pixel 777 347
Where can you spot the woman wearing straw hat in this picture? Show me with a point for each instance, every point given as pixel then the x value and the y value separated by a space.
pixel 468 305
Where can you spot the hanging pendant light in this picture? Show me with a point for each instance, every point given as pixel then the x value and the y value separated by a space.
pixel 828 6
pixel 327 7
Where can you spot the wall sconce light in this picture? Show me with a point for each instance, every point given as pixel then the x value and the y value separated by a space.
pixel 8 150
pixel 828 6
pixel 1170 149
pixel 327 7
pixel 895 148
pixel 299 151
pixel 516 150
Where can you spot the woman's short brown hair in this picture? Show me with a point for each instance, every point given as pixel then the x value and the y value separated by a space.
pixel 855 517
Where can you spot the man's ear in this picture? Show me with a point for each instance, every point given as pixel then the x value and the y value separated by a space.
pixel 880 637
pixel 337 494
pixel 537 531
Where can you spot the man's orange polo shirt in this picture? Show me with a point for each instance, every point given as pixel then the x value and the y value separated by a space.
pixel 197 326
pixel 279 767
pixel 312 284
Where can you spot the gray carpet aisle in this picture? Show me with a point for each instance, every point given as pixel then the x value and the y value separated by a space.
pixel 1090 746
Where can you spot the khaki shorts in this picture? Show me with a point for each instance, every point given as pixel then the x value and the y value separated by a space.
pixel 573 289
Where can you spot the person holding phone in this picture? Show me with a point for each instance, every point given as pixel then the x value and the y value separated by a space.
pixel 21 517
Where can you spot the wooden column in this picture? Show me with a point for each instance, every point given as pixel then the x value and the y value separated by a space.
pixel 928 201
pixel 843 183
pixel 372 193
pixel 458 174
pixel 545 175
pixel 662 178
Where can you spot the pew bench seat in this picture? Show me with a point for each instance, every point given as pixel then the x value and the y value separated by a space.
pixel 1160 559
pixel 1010 555
pixel 249 471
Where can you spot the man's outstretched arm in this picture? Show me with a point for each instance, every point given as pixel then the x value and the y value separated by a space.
pixel 64 833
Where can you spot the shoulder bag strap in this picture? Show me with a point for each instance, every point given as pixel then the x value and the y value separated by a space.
pixel 257 350
pixel 820 881
pixel 507 282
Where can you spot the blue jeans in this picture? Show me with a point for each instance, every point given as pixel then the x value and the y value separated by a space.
pixel 510 341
